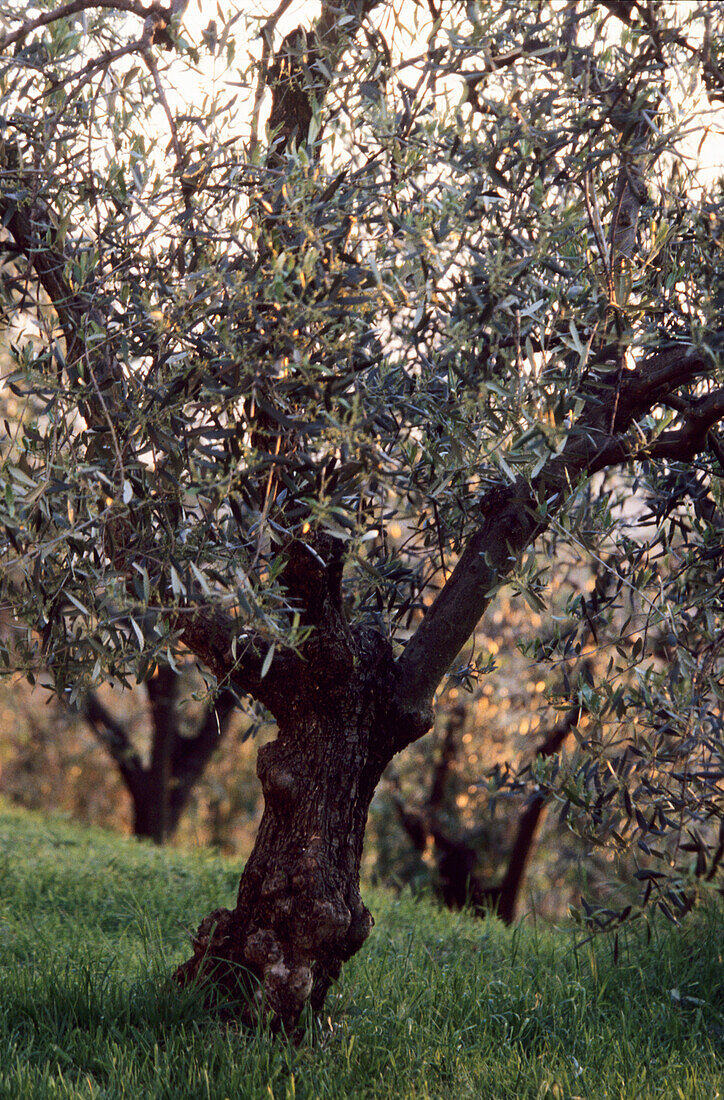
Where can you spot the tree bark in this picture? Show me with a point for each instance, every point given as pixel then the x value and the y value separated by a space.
pixel 161 690
pixel 299 914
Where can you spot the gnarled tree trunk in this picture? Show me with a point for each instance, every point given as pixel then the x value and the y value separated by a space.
pixel 299 914
pixel 344 707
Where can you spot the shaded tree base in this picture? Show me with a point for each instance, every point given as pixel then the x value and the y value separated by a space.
pixel 249 974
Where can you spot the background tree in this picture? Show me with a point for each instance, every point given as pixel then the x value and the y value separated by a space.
pixel 465 291
pixel 160 789
pixel 459 813
pixel 52 759
pixel 178 753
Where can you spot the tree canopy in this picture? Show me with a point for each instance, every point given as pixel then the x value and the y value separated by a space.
pixel 310 361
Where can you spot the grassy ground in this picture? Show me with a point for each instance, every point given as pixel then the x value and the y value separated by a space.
pixel 435 1005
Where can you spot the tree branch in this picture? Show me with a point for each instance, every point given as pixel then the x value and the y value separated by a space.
pixel 689 440
pixel 143 11
pixel 32 228
pixel 191 754
pixel 114 738
pixel 514 515
pixel 296 80
pixel 29 232
pixel 267 34
pixel 638 16
pixel 210 633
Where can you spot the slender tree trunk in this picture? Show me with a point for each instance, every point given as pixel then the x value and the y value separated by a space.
pixel 147 819
pixel 162 689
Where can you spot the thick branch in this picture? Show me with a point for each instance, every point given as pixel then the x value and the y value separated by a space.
pixel 32 228
pixel 191 754
pixel 210 633
pixel 114 738
pixel 29 233
pixel 295 76
pixel 313 576
pixel 691 438
pixel 514 515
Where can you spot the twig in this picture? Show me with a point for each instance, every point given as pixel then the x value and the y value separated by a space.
pixel 73 8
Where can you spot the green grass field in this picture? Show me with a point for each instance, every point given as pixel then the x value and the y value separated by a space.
pixel 436 1005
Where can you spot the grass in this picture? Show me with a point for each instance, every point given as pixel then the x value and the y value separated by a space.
pixel 436 1005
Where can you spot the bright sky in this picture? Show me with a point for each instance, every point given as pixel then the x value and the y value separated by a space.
pixel 406 25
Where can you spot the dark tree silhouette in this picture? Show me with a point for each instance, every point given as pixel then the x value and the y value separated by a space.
pixel 161 789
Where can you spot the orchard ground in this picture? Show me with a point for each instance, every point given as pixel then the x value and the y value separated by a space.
pixel 435 1005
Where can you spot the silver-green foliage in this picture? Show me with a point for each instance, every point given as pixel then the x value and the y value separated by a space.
pixel 492 275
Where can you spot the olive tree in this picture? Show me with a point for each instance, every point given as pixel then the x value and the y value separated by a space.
pixel 319 357
pixel 160 789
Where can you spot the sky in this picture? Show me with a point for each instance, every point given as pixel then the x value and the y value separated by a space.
pixel 406 26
